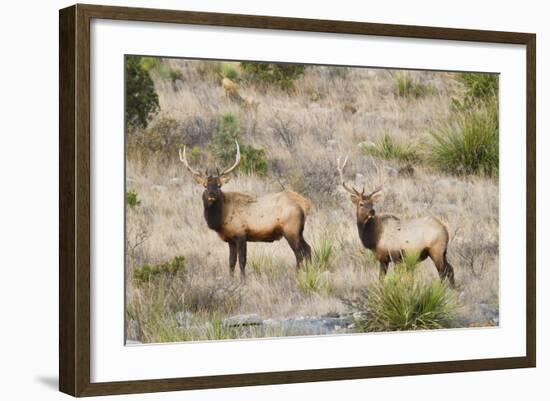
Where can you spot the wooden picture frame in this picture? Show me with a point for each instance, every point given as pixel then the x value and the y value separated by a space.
pixel 75 207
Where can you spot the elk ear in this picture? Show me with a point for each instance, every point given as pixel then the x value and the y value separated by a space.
pixel 225 178
pixel 200 180
pixel 377 197
pixel 355 199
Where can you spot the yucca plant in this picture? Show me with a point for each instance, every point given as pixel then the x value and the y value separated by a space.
pixel 469 144
pixel 400 302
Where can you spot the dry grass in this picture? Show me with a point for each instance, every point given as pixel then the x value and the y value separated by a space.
pixel 313 123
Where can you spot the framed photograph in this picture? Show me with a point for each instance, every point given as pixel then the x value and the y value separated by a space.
pixel 249 200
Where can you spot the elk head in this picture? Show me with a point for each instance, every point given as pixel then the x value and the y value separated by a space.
pixel 363 201
pixel 212 183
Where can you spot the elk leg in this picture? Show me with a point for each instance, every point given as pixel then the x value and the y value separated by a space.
pixel 242 256
pixel 383 270
pixel 305 249
pixel 295 244
pixel 444 268
pixel 232 258
pixel 448 270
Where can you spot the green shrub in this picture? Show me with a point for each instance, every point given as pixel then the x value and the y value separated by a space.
pixel 132 199
pixel 399 302
pixel 142 101
pixel 147 273
pixel 282 75
pixel 222 146
pixel 253 160
pixel 468 144
pixel 408 87
pixel 229 71
pixel 388 148
pixel 479 86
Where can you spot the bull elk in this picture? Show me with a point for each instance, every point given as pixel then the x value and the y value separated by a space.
pixel 389 237
pixel 239 218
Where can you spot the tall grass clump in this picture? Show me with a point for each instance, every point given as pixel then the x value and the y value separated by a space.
pixel 469 143
pixel 314 275
pixel 406 86
pixel 389 149
pixel 400 302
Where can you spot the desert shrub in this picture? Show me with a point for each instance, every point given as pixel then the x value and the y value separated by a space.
pixel 142 101
pixel 406 86
pixel 469 143
pixel 400 302
pixel 282 75
pixel 147 273
pixel 315 179
pixel 229 71
pixel 132 199
pixel 219 297
pixel 222 146
pixel 390 149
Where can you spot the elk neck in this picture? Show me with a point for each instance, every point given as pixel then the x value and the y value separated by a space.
pixel 369 231
pixel 213 213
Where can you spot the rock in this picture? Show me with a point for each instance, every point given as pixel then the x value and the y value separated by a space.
pixel 332 142
pixel 244 320
pixel 178 85
pixel 133 342
pixel 391 171
pixel 176 180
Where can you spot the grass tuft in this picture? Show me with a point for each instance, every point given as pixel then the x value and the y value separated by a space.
pixel 399 302
pixel 469 144
pixel 390 149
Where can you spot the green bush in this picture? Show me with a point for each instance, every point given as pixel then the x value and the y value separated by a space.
pixel 229 71
pixel 253 160
pixel 400 302
pixel 388 148
pixel 132 199
pixel 468 144
pixel 222 146
pixel 479 86
pixel 142 101
pixel 147 273
pixel 408 87
pixel 282 75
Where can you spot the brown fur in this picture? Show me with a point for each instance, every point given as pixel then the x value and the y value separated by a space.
pixel 239 218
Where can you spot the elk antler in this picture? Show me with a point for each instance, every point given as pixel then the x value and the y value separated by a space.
pixel 237 161
pixel 191 170
pixel 347 187
pixel 381 179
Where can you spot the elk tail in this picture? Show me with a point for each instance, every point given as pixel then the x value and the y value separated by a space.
pixel 305 204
